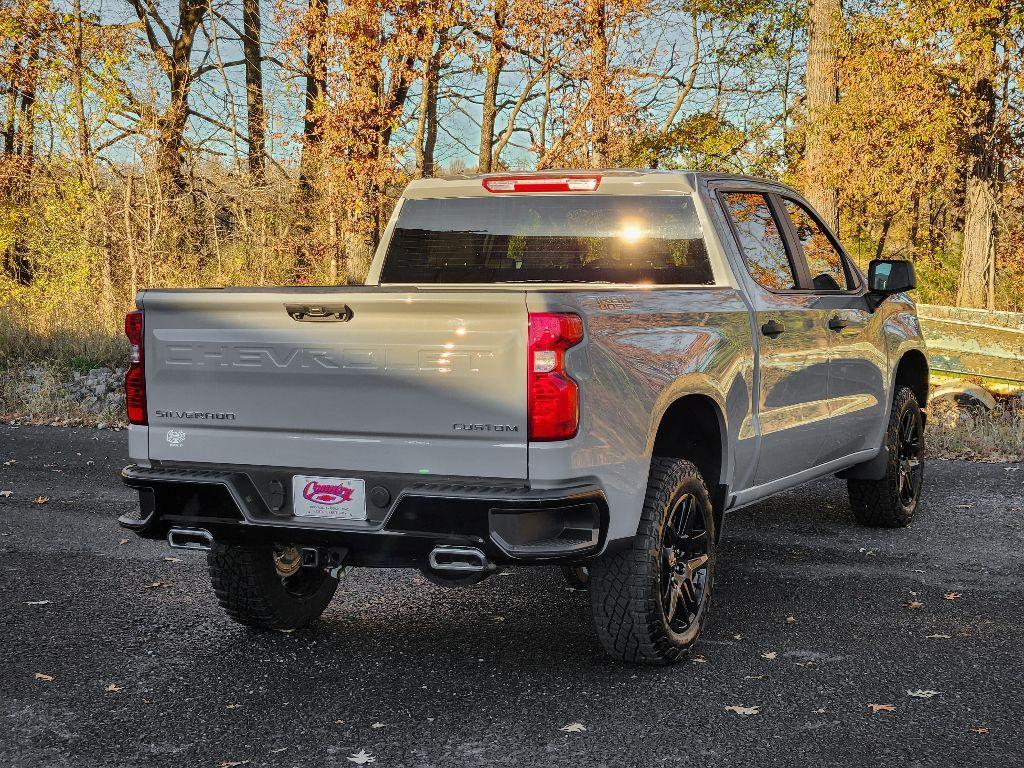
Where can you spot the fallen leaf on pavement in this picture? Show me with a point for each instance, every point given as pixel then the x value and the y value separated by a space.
pixel 769 655
pixel 43 677
pixel 881 707
pixel 40 499
pixel 574 728
pixel 123 541
pixel 953 595
pixel 979 729
pixel 173 559
pixel 922 694
pixel 743 711
pixel 112 688
pixel 791 619
pixel 156 585
pixel 362 757
pixel 232 706
pixel 377 725
pixel 914 605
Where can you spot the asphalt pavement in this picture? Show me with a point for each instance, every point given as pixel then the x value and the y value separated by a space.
pixel 113 651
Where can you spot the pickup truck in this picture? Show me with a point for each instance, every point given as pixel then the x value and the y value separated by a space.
pixel 579 369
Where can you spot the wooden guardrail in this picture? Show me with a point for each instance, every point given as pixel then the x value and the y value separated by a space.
pixel 974 342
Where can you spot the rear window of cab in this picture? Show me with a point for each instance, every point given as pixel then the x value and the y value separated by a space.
pixel 547 238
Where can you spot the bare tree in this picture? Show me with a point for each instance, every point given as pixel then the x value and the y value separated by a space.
pixel 252 47
pixel 316 86
pixel 172 51
pixel 495 65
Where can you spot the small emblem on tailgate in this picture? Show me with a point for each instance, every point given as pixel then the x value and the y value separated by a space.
pixel 485 427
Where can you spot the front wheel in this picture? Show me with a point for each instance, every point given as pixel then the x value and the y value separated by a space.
pixel 651 600
pixel 892 501
pixel 266 586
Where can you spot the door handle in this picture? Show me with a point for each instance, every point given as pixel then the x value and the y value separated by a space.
pixel 773 328
pixel 319 313
pixel 837 323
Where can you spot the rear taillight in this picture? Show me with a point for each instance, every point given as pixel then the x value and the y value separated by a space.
pixel 135 379
pixel 499 184
pixel 553 399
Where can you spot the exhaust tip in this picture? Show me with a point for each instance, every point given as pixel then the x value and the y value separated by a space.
pixel 462 559
pixel 198 539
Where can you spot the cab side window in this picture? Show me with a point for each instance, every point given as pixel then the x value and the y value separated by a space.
pixel 761 240
pixel 824 261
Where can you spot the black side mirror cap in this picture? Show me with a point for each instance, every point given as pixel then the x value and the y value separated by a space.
pixel 889 276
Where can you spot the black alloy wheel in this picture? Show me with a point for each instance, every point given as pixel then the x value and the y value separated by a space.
pixel 911 452
pixel 685 554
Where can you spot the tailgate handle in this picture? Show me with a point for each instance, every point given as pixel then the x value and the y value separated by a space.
pixel 319 313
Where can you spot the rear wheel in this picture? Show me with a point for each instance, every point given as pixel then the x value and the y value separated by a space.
pixel 266 587
pixel 892 501
pixel 651 600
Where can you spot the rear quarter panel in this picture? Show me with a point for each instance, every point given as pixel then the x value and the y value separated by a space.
pixel 644 349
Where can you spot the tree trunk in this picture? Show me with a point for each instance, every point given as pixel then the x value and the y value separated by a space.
pixel 426 129
pixel 880 247
pixel 824 18
pixel 177 66
pixel 27 120
pixel 980 215
pixel 78 90
pixel 316 89
pixel 596 22
pixel 171 137
pixel 256 119
pixel 495 65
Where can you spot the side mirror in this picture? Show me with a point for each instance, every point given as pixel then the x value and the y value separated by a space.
pixel 889 276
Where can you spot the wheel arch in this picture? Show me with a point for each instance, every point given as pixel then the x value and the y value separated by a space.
pixel 912 371
pixel 693 428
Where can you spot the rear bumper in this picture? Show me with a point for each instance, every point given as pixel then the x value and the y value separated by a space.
pixel 509 523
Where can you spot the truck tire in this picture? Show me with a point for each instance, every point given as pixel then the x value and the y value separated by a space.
pixel 892 501
pixel 251 589
pixel 651 600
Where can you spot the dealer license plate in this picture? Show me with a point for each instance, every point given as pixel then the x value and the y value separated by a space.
pixel 341 498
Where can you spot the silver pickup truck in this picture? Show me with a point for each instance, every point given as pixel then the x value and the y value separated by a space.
pixel 581 369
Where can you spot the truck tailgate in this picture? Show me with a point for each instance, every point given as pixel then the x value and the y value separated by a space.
pixel 428 382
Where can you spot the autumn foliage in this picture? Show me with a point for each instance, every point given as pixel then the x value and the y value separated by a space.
pixel 211 143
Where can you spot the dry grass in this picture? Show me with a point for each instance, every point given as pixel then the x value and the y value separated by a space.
pixel 78 348
pixel 977 435
pixel 53 394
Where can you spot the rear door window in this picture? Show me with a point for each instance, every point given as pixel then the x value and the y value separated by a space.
pixel 549 238
pixel 760 237
pixel 824 261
